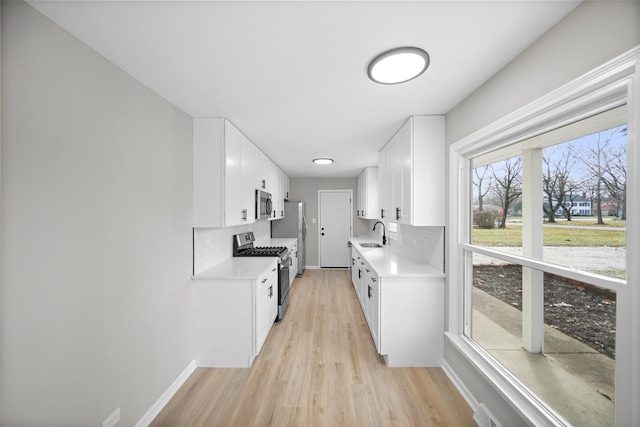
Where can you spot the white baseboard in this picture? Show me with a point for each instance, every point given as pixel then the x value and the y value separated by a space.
pixel 464 391
pixel 166 396
pixel 311 267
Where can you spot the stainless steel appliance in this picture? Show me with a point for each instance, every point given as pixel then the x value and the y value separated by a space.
pixel 294 224
pixel 263 204
pixel 243 246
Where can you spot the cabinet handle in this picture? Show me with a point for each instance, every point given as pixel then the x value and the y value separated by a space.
pixel 397 213
pixel 373 279
pixel 265 279
pixel 381 213
pixel 367 270
pixel 369 292
pixel 282 213
pixel 363 214
pixel 264 183
pixel 274 269
pixel 359 273
pixel 244 214
pixel 270 291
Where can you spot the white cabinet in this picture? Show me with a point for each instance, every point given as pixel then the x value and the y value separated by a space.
pixel 385 183
pixel 286 186
pixel 412 173
pixel 223 190
pixel 261 171
pixel 233 317
pixel 367 186
pixel 266 304
pixel 293 269
pixel 405 314
pixel 372 305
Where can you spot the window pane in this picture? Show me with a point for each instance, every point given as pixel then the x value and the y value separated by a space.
pixel 584 195
pixel 575 372
pixel 497 205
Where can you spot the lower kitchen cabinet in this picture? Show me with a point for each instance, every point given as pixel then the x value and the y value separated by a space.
pixel 412 321
pixel 405 314
pixel 233 317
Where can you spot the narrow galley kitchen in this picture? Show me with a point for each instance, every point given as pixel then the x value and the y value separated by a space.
pixel 318 367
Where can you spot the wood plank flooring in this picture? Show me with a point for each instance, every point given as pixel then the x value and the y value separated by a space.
pixel 318 367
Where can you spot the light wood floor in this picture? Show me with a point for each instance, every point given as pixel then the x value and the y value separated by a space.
pixel 318 367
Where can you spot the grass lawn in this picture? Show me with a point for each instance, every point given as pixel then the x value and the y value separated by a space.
pixel 512 236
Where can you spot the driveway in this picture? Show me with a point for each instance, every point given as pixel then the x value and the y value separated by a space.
pixel 594 259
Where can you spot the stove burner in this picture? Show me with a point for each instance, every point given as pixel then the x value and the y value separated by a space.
pixel 262 251
pixel 243 246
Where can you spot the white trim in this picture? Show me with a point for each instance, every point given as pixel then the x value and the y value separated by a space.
pixel 461 386
pixel 525 403
pixel 312 267
pixel 598 280
pixel 610 85
pixel 166 396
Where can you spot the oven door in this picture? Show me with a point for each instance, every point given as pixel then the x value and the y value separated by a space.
pixel 283 286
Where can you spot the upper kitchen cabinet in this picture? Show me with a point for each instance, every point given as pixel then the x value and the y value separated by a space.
pixel 261 166
pixel 223 174
pixel 411 171
pixel 367 186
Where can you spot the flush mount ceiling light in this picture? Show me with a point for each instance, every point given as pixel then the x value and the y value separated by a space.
pixel 323 161
pixel 398 65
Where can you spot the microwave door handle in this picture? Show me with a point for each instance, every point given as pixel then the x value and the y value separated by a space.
pixel 268 205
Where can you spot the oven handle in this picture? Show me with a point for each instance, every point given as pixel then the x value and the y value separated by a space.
pixel 284 264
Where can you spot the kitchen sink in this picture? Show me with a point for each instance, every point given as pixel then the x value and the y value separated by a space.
pixel 370 245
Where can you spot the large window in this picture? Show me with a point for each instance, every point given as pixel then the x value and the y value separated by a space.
pixel 554 333
pixel 544 229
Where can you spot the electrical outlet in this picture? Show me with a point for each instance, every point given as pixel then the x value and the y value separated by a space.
pixel 113 419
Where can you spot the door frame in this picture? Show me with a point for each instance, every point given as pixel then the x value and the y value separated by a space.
pixel 350 192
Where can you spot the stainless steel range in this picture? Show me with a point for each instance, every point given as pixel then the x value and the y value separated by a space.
pixel 243 246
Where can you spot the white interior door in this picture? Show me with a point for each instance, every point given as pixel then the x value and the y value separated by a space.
pixel 335 227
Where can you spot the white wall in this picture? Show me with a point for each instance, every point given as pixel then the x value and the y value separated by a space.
pixel 306 189
pixel 95 298
pixel 595 32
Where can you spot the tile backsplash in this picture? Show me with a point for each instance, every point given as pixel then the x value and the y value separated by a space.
pixel 424 243
pixel 214 245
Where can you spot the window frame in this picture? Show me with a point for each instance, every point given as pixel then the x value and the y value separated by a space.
pixel 613 84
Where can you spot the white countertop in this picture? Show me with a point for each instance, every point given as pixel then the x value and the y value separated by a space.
pixel 237 268
pixel 389 261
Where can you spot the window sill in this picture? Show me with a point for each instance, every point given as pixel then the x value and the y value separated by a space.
pixel 522 400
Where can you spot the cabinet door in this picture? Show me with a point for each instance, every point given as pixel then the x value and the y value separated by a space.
pixel 396 174
pixel 260 170
pixel 266 305
pixel 373 307
pixel 384 184
pixel 293 270
pixel 406 172
pixel 239 194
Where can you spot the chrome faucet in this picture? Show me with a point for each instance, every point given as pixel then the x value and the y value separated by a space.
pixel 384 229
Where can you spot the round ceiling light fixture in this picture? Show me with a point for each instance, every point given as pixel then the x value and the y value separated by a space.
pixel 398 65
pixel 323 161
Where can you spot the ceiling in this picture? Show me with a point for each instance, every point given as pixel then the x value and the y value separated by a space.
pixel 292 75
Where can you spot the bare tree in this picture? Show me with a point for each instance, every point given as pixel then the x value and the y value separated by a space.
pixel 595 162
pixel 482 186
pixel 615 178
pixel 507 184
pixel 557 184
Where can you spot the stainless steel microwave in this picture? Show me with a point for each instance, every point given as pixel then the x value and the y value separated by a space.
pixel 263 204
